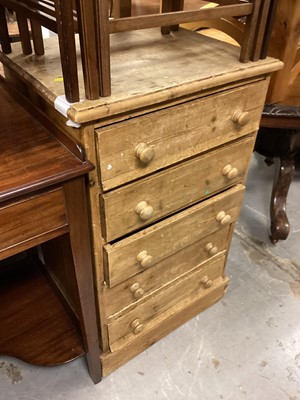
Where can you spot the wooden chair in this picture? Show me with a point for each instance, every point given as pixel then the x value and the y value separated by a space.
pixel 64 18
pixel 94 27
pixel 235 28
pixel 256 14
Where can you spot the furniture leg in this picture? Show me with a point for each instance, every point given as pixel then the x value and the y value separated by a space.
pixel 4 34
pixel 36 32
pixel 170 6
pixel 261 27
pixel 268 30
pixel 88 45
pixel 66 38
pixel 280 226
pixel 166 6
pixel 24 34
pixel 77 211
pixel 102 27
pixel 249 34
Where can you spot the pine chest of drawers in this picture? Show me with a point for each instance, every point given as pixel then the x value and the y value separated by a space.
pixel 172 147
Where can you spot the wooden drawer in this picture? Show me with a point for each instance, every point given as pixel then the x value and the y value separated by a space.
pixel 151 245
pixel 30 218
pixel 125 328
pixel 137 289
pixel 176 133
pixel 138 204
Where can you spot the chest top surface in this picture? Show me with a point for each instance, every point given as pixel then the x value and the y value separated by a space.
pixel 31 157
pixel 147 68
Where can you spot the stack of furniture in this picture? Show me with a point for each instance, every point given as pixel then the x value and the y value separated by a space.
pixel 64 19
pixel 171 146
pixel 91 19
pixel 43 202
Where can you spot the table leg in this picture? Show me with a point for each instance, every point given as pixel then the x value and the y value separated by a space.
pixel 79 239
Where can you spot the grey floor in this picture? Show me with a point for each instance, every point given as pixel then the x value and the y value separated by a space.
pixel 247 346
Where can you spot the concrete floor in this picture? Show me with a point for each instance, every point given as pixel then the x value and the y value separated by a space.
pixel 247 346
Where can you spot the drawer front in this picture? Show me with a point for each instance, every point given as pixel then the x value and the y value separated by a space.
pixel 137 147
pixel 32 217
pixel 137 289
pixel 134 254
pixel 138 204
pixel 127 327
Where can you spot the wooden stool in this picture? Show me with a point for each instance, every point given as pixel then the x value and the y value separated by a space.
pixel 42 201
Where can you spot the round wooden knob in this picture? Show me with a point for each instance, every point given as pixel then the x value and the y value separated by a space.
pixel 223 218
pixel 211 249
pixel 137 291
pixel 144 211
pixel 230 172
pixel 241 117
pixel 145 259
pixel 206 282
pixel 144 152
pixel 137 327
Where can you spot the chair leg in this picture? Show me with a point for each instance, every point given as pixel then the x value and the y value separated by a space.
pixel 166 6
pixel 280 226
pixel 66 38
pixel 260 29
pixel 267 35
pixel 102 28
pixel 249 32
pixel 170 6
pixel 24 34
pixel 88 45
pixel 4 34
pixel 37 38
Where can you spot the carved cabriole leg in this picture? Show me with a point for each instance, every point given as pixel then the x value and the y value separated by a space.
pixel 280 226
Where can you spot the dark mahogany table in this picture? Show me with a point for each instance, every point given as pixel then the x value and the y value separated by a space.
pixel 42 202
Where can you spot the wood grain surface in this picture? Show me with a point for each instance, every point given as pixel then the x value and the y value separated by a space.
pixel 122 298
pixel 43 334
pixel 174 189
pixel 173 299
pixel 176 133
pixel 169 236
pixel 23 143
pixel 146 69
